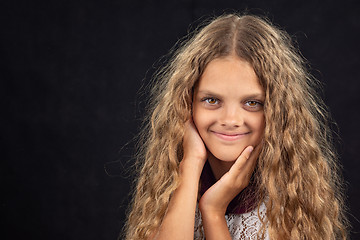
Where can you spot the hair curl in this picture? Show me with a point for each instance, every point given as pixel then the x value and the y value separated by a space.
pixel 297 170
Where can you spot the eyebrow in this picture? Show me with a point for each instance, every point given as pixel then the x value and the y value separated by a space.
pixel 251 95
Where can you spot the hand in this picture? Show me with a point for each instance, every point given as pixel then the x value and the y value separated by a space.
pixel 195 152
pixel 216 199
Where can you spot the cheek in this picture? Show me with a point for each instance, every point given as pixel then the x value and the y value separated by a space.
pixel 199 119
pixel 202 120
pixel 258 127
pixel 257 122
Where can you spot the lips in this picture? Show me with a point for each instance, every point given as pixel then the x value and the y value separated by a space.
pixel 230 136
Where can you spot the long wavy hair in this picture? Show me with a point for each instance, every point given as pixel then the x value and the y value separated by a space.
pixel 297 169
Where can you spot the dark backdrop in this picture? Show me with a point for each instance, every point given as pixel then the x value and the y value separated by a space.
pixel 70 76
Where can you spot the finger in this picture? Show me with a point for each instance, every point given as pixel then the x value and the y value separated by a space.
pixel 188 123
pixel 251 162
pixel 247 159
pixel 242 159
pixel 189 126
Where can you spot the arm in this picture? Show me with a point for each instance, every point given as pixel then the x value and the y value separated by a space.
pixel 215 200
pixel 179 219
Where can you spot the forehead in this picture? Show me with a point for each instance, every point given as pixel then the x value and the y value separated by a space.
pixel 230 76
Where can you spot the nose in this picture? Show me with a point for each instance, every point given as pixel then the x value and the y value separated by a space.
pixel 231 116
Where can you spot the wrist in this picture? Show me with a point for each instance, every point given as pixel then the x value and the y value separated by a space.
pixel 192 166
pixel 212 218
pixel 211 212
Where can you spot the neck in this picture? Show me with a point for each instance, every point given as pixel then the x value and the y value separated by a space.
pixel 218 167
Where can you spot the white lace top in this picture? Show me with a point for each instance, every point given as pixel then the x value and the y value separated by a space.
pixel 241 226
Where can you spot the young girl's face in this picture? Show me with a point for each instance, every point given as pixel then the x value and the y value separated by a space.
pixel 228 107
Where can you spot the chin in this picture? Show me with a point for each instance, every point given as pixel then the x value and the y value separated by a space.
pixel 226 156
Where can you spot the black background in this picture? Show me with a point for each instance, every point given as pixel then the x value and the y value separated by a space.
pixel 70 78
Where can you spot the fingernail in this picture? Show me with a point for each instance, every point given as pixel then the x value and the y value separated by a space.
pixel 251 148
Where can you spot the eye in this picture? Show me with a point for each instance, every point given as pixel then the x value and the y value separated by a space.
pixel 211 100
pixel 254 105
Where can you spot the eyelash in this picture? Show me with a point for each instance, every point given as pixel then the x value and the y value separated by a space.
pixel 253 101
pixel 206 100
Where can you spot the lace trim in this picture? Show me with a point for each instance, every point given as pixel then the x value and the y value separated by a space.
pixel 241 226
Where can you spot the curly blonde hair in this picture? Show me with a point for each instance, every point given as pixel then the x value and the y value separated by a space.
pixel 297 170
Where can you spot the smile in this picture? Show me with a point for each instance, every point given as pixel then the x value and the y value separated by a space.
pixel 230 136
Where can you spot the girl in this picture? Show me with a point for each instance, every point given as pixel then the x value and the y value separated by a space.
pixel 236 143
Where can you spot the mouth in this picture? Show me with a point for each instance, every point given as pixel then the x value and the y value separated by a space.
pixel 230 136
